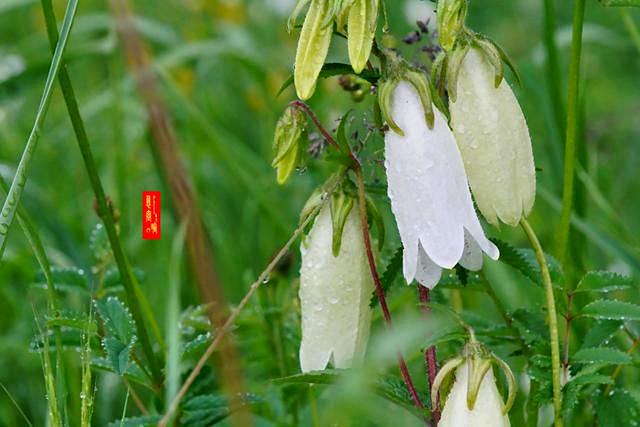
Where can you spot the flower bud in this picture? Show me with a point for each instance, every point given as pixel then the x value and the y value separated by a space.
pixel 474 399
pixel 428 189
pixel 313 46
pixel 362 21
pixel 334 294
pixel 493 138
pixel 287 143
pixel 451 17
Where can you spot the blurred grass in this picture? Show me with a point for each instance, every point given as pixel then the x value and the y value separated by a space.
pixel 221 64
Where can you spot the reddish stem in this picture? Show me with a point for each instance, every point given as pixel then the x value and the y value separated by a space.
pixel 430 354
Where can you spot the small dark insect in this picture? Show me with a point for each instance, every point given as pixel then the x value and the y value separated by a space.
pixel 412 37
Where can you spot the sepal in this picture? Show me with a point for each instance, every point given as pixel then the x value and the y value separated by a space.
pixel 287 143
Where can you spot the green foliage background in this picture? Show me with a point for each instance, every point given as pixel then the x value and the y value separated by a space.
pixel 221 63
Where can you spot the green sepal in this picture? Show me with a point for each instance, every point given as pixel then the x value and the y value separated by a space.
pixel 342 16
pixel 385 92
pixel 506 59
pixel 492 55
pixel 454 65
pixel 421 84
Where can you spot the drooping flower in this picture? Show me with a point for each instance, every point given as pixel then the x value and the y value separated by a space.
pixel 474 399
pixel 334 293
pixel 429 192
pixel 493 137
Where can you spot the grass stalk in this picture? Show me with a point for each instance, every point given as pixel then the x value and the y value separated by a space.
pixel 552 320
pixel 104 211
pixel 571 132
pixel 20 179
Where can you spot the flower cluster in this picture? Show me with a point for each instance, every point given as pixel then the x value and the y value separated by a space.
pixel 439 157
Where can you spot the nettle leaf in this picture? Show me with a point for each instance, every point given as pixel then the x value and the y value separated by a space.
pixel 573 390
pixel 601 333
pixel 118 354
pixel 601 355
pixel 196 345
pixel 612 310
pixel 117 320
pixel 133 372
pixel 524 260
pixel 69 279
pixel 617 409
pixel 532 328
pixel 148 421
pixel 388 278
pixel 209 409
pixel 603 281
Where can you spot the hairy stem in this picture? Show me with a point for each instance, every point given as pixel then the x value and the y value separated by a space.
pixel 104 211
pixel 552 320
pixel 430 358
pixel 571 132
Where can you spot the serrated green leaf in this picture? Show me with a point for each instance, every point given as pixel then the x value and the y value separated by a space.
pixel 571 392
pixel 603 281
pixel 196 345
pixel 328 376
pixel 601 333
pixel 617 409
pixel 117 320
pixel 612 310
pixel 117 354
pixel 601 355
pixel 99 243
pixel 524 261
pixel 112 277
pixel 132 373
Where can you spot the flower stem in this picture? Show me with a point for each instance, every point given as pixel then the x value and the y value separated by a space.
pixel 430 357
pixel 553 319
pixel 104 211
pixel 571 132
pixel 379 290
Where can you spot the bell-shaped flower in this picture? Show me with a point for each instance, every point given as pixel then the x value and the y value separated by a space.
pixel 474 399
pixel 334 292
pixel 488 408
pixel 429 193
pixel 492 135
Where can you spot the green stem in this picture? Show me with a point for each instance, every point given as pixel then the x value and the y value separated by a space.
pixel 553 319
pixel 104 211
pixel 571 131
